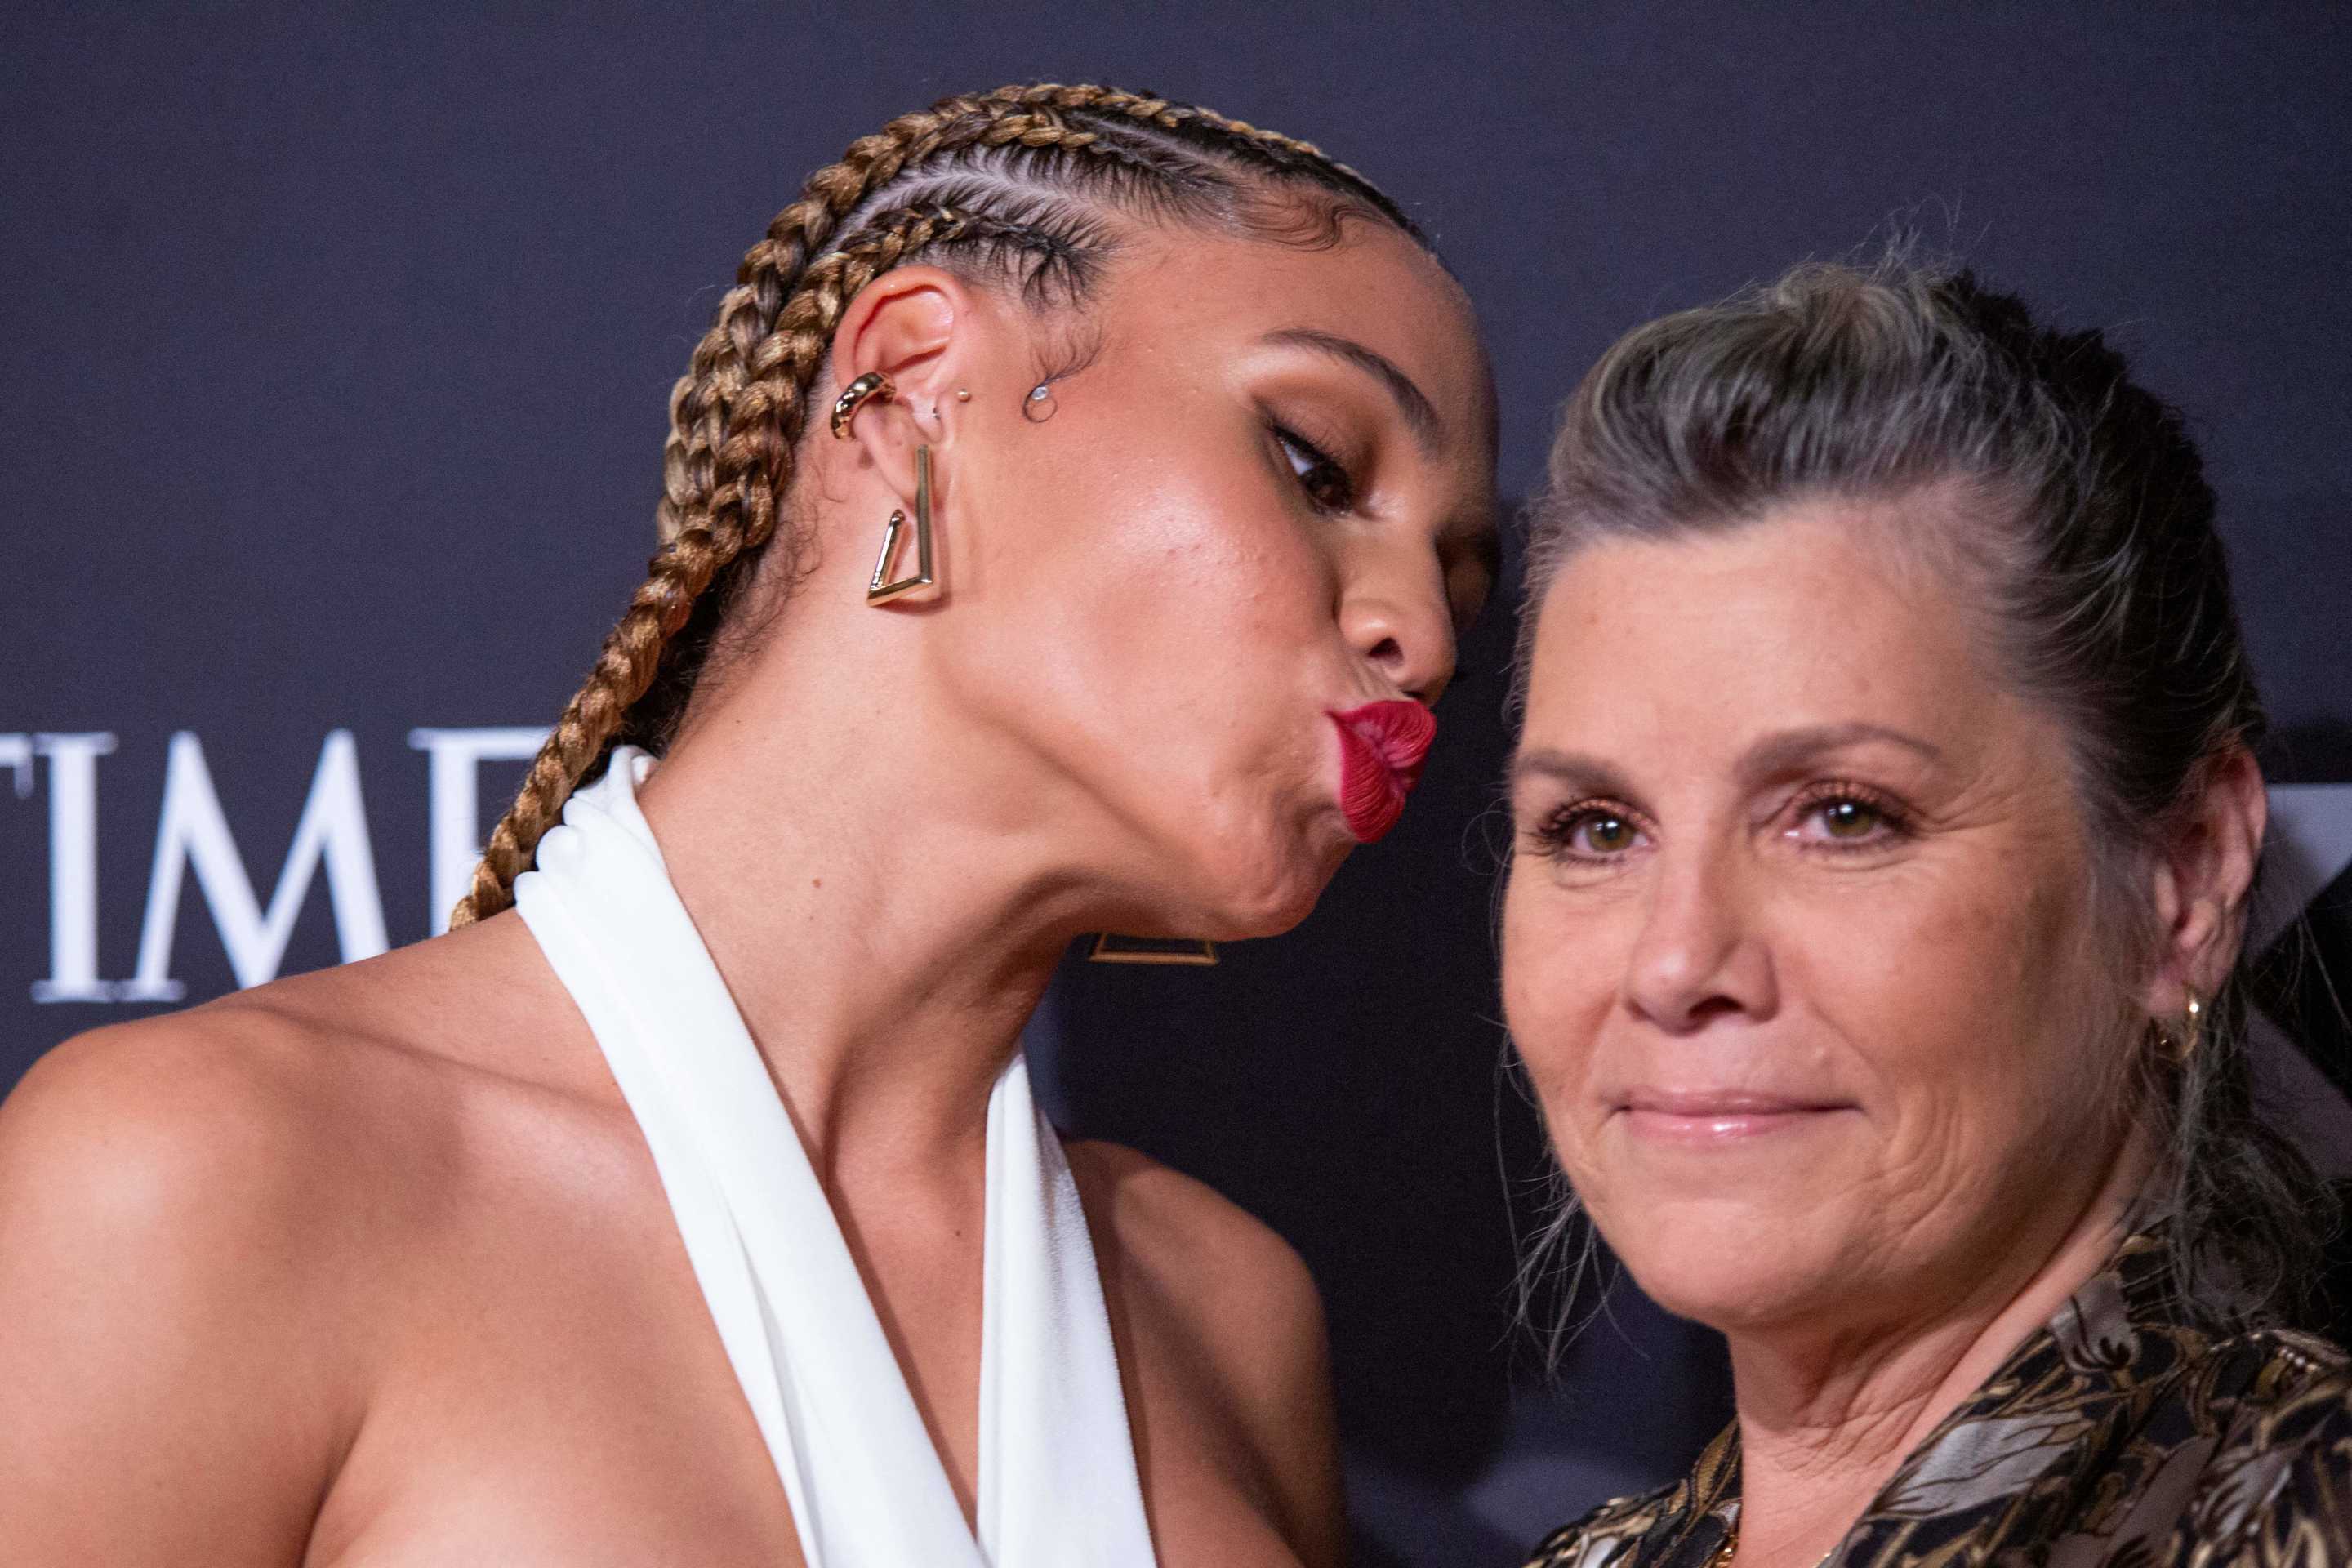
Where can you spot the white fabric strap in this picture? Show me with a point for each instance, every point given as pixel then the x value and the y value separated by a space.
pixel 1057 1479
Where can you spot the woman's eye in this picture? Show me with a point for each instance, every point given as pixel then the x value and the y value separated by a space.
pixel 1849 818
pixel 1846 819
pixel 1604 833
pixel 1589 833
pixel 1326 483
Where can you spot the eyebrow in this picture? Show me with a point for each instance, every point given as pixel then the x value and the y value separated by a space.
pixel 1577 771
pixel 1420 414
pixel 1581 771
pixel 1794 746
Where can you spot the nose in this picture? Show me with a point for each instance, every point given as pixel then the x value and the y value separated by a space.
pixel 1699 956
pixel 1394 614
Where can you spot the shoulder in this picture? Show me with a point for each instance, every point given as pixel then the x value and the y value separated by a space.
pixel 2278 1486
pixel 1199 1259
pixel 2279 1384
pixel 284 1138
pixel 1608 1535
pixel 167 1218
pixel 320 1116
pixel 215 1150
pixel 145 1122
pixel 334 1093
pixel 1612 1535
pixel 1223 1340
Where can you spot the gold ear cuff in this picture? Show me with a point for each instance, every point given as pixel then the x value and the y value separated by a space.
pixel 855 395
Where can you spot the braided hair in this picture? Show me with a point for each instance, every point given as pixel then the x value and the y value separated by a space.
pixel 1020 185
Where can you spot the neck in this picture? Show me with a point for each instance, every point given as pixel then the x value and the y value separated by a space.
pixel 1827 1417
pixel 885 889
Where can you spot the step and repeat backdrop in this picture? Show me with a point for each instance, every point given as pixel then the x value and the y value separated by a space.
pixel 333 357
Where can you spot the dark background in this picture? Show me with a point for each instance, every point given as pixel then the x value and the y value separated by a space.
pixel 337 343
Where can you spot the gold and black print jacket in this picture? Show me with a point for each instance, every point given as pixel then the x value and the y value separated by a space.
pixel 2117 1436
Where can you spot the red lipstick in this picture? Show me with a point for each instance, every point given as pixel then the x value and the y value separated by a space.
pixel 1381 748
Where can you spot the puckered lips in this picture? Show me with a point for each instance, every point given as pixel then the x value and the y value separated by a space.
pixel 1382 746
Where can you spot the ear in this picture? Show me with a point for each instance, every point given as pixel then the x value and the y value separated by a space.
pixel 914 324
pixel 2204 868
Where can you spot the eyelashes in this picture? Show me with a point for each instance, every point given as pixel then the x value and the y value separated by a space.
pixel 1327 485
pixel 1852 815
pixel 1834 817
pixel 1558 834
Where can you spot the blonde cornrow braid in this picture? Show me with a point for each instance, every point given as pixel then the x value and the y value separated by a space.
pixel 744 464
pixel 1286 155
pixel 737 413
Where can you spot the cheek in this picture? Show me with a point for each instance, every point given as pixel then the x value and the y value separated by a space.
pixel 1182 572
pixel 1148 486
pixel 1561 971
pixel 1141 581
pixel 1962 999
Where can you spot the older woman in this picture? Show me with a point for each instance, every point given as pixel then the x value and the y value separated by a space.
pixel 1886 817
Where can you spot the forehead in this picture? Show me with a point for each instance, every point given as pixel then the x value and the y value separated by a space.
pixel 1812 614
pixel 1374 286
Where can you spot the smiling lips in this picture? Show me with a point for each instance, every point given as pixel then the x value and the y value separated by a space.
pixel 1710 1117
pixel 1381 748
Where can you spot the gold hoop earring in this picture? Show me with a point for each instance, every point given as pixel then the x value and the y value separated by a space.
pixel 881 591
pixel 1112 949
pixel 2192 1027
pixel 2180 1045
pixel 855 395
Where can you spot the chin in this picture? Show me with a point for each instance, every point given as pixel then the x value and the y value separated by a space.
pixel 1264 906
pixel 1264 887
pixel 1728 1264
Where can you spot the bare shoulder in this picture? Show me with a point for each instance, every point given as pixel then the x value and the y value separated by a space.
pixel 215 1226
pixel 169 1375
pixel 212 1156
pixel 320 1098
pixel 1225 1318
pixel 1201 1253
pixel 148 1119
pixel 264 1089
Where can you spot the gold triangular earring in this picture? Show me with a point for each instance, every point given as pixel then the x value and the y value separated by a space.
pixel 1111 948
pixel 881 590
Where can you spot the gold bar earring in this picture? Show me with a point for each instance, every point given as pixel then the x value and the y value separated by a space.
pixel 881 591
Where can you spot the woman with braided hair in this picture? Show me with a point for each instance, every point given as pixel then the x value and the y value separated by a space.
pixel 1065 527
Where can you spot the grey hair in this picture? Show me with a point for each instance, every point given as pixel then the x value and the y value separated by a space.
pixel 2086 516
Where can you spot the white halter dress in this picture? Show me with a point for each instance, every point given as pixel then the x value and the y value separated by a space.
pixel 1057 1480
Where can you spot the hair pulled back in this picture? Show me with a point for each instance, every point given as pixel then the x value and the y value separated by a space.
pixel 1020 187
pixel 2089 524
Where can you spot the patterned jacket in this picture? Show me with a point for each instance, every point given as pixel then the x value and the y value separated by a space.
pixel 2117 1436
